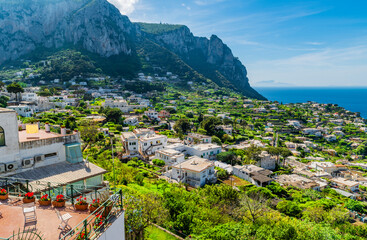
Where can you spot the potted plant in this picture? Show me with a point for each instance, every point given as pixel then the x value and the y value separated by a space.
pixel 81 204
pixel 29 197
pixel 95 205
pixel 107 208
pixel 3 194
pixel 59 202
pixel 45 200
pixel 98 222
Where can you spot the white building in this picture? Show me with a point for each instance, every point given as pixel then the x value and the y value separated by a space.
pixel 254 174
pixel 267 161
pixel 204 150
pixel 195 172
pixel 227 129
pixel 22 110
pixel 345 184
pixel 133 121
pixel 130 142
pixel 149 144
pixel 328 167
pixel 170 156
pixel 312 131
pixel 43 156
pixel 152 114
pixel 200 138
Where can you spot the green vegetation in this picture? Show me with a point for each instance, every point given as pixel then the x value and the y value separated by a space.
pixel 155 28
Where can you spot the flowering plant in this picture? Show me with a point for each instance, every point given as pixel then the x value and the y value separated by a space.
pixel 29 195
pixel 60 198
pixel 81 201
pixel 45 198
pixel 96 203
pixel 98 222
pixel 3 192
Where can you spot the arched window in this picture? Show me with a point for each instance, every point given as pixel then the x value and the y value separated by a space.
pixel 2 137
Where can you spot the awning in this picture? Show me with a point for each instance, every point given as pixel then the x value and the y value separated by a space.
pixel 59 174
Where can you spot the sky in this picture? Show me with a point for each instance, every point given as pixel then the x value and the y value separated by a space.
pixel 281 42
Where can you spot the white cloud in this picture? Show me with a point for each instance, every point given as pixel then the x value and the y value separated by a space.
pixel 125 6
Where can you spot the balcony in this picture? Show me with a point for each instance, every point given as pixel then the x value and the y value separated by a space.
pixel 35 143
pixel 103 223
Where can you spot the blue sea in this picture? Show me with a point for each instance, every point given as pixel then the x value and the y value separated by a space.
pixel 352 99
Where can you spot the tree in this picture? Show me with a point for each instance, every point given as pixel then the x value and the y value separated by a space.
pixel 252 207
pixel 88 131
pixel 227 157
pixel 216 140
pixel 210 124
pixel 141 211
pixel 182 126
pixel 15 88
pixel 113 115
pixel 289 208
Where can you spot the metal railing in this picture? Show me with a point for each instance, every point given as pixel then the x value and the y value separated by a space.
pixel 99 220
pixel 19 187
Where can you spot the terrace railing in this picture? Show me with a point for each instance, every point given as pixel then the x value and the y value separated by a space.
pixel 98 221
pixel 19 187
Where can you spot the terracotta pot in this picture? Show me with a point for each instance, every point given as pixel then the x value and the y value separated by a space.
pixel 4 197
pixel 81 207
pixel 44 203
pixel 27 200
pixel 106 211
pixel 58 204
pixel 93 209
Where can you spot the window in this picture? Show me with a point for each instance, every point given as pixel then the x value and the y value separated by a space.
pixel 50 155
pixel 2 137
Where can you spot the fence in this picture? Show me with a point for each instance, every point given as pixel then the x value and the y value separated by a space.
pixel 19 187
pixel 99 220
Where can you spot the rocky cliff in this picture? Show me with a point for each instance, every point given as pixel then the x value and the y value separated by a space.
pixel 98 27
pixel 211 57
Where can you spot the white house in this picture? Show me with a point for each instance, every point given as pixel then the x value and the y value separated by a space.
pixel 133 121
pixel 204 150
pixel 227 129
pixel 22 110
pixel 195 171
pixel 130 142
pixel 149 144
pixel 152 114
pixel 200 138
pixel 346 184
pixel 312 131
pixel 330 138
pixel 170 156
pixel 254 174
pixel 43 156
pixel 267 161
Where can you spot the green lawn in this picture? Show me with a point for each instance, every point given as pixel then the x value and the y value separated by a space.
pixel 153 233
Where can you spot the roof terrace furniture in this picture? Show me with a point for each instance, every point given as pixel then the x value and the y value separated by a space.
pixel 29 212
pixel 64 219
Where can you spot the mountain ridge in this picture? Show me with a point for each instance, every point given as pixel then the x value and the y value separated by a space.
pixel 98 27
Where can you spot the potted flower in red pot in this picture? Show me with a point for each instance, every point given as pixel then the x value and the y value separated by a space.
pixel 29 197
pixel 59 202
pixel 3 194
pixel 45 200
pixel 95 205
pixel 81 204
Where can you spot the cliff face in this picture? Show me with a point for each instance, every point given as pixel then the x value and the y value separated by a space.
pixel 97 26
pixel 211 57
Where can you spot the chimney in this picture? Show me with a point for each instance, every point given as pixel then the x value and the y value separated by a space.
pixel 47 127
pixel 63 130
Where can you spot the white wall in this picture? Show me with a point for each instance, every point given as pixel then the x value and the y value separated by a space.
pixel 116 231
pixel 8 121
